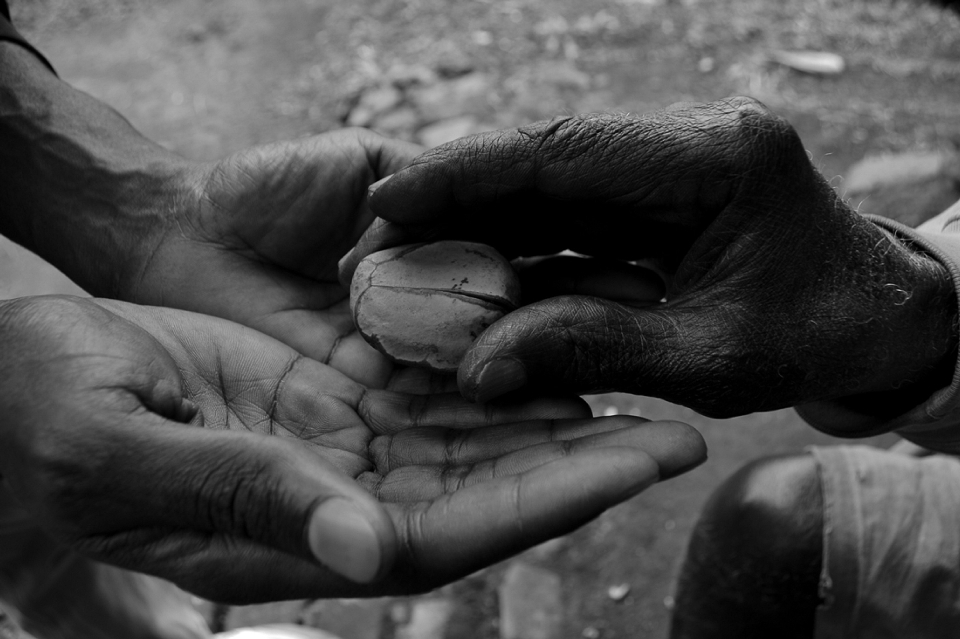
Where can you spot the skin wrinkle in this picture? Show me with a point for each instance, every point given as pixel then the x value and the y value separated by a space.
pixel 209 482
pixel 456 444
pixel 389 424
pixel 372 482
pixel 415 409
pixel 494 151
pixel 278 388
pixel 413 530
pixel 362 404
pixel 454 478
pixel 333 348
pixel 380 450
pixel 241 245
pixel 141 273
pixel 221 383
pixel 246 519
pixel 217 175
pixel 261 488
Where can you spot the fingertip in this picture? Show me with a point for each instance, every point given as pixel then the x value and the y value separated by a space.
pixel 373 188
pixel 687 450
pixel 352 541
pixel 483 382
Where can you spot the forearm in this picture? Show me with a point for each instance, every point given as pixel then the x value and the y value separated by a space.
pixel 80 186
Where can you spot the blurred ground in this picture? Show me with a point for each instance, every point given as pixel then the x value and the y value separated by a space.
pixel 206 77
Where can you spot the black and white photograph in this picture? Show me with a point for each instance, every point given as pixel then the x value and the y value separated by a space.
pixel 479 319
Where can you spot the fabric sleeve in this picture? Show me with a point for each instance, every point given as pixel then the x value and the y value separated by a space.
pixel 8 33
pixel 935 423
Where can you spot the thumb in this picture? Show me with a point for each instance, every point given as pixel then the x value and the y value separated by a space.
pixel 263 489
pixel 574 344
pixel 298 502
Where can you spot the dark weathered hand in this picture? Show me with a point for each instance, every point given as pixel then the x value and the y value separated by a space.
pixel 776 292
pixel 201 451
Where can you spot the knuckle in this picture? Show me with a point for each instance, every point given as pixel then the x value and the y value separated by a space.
pixel 454 478
pixel 413 533
pixel 737 135
pixel 242 498
pixel 560 128
pixel 455 446
pixel 764 136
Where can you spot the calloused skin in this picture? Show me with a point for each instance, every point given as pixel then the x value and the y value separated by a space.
pixel 776 293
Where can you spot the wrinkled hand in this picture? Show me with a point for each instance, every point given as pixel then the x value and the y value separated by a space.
pixel 776 292
pixel 255 238
pixel 197 450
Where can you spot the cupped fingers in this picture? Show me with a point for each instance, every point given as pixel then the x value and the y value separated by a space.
pixel 390 412
pixel 426 463
pixel 456 534
pixel 266 490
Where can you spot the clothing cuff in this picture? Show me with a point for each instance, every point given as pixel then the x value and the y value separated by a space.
pixel 8 33
pixel 935 423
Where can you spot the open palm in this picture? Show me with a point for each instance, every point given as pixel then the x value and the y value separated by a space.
pixel 198 450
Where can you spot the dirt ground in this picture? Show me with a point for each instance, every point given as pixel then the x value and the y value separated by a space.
pixel 207 77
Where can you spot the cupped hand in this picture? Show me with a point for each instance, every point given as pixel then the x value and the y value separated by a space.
pixel 198 450
pixel 776 293
pixel 255 238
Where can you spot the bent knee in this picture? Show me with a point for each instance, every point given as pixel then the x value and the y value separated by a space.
pixel 752 568
pixel 770 510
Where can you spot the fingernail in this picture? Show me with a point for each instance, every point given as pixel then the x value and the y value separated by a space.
pixel 376 185
pixel 500 377
pixel 343 539
pixel 342 264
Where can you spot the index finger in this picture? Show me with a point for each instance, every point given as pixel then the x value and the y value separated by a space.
pixel 623 186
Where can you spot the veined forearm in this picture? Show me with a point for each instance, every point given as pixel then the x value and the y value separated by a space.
pixel 79 186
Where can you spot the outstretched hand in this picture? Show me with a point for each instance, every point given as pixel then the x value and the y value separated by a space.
pixel 197 450
pixel 775 293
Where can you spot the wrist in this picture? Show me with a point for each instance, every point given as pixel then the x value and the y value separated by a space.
pixel 919 339
pixel 82 188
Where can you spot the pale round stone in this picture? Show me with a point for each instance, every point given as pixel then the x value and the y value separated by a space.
pixel 425 304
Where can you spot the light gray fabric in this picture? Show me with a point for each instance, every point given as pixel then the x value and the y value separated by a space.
pixel 891 560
